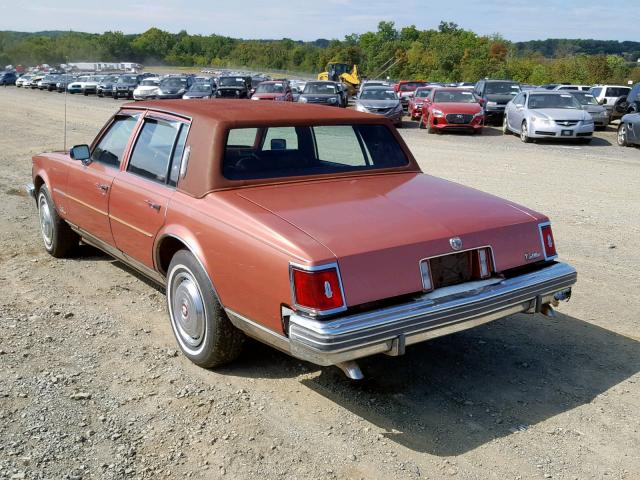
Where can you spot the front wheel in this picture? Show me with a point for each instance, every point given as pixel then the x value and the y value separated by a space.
pixel 524 133
pixel 622 135
pixel 201 326
pixel 59 240
pixel 505 126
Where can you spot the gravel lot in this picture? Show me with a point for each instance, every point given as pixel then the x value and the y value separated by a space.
pixel 92 384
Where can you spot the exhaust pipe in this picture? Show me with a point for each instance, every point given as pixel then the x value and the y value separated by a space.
pixel 548 311
pixel 351 370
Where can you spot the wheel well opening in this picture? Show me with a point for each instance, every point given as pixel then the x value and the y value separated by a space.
pixel 37 183
pixel 166 250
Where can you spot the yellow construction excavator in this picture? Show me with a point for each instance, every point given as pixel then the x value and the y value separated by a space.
pixel 342 72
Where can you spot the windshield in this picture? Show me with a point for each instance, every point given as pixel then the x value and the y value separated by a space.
pixel 320 88
pixel 423 92
pixel 585 98
pixel 410 86
pixel 453 96
pixel 270 88
pixel 111 79
pixel 173 82
pixel 378 94
pixel 127 79
pixel 549 100
pixel 231 82
pixel 149 83
pixel 292 151
pixel 201 87
pixel 502 88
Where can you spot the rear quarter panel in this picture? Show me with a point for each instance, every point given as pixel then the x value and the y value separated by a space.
pixel 245 249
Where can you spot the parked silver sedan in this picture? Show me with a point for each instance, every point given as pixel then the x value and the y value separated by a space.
pixel 537 114
pixel 380 100
pixel 598 112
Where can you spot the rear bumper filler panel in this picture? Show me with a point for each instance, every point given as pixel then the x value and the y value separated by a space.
pixel 389 330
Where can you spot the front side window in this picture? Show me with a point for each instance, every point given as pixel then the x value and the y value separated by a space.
pixel 153 149
pixel 110 148
pixel 260 153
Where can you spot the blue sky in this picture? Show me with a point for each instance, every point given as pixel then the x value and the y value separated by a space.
pixel 309 20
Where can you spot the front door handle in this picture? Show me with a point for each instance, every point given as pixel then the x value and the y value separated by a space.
pixel 102 187
pixel 155 206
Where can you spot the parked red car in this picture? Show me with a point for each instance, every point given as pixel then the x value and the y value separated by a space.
pixel 267 222
pixel 405 89
pixel 417 101
pixel 279 91
pixel 452 109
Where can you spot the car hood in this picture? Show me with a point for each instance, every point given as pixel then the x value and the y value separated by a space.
pixel 231 88
pixel 454 107
pixel 594 108
pixel 378 103
pixel 267 96
pixel 491 97
pixel 560 113
pixel 146 88
pixel 379 227
pixel 319 95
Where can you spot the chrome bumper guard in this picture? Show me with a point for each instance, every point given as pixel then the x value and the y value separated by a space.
pixel 31 190
pixel 389 330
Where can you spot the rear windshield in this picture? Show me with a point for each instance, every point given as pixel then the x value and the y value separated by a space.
pixel 410 86
pixel 256 153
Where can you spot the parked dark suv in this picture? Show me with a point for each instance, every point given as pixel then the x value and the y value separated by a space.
pixel 629 103
pixel 495 95
pixel 125 86
pixel 105 87
pixel 8 78
pixel 233 87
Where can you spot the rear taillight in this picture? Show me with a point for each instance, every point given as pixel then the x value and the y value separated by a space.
pixel 317 290
pixel 548 243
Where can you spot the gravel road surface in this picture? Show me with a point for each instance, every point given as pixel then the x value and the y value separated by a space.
pixel 92 385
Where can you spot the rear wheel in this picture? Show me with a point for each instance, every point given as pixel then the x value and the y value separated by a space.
pixel 59 240
pixel 201 326
pixel 421 123
pixel 622 135
pixel 524 133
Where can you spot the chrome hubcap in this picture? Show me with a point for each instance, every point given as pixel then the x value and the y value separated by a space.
pixel 187 310
pixel 46 223
pixel 621 135
pixel 523 132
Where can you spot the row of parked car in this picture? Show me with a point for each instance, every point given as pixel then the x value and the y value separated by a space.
pixel 151 86
pixel 552 111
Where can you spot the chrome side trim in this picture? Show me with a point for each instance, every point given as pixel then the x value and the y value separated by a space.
pixel 118 255
pixel 132 227
pixel 259 332
pixel 315 268
pixel 326 342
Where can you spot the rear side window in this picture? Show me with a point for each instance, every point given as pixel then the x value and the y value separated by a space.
pixel 617 91
pixel 153 149
pixel 110 148
pixel 176 158
pixel 596 91
pixel 309 150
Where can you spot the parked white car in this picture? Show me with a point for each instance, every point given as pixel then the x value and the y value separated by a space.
pixel 148 88
pixel 20 82
pixel 579 88
pixel 77 86
pixel 608 95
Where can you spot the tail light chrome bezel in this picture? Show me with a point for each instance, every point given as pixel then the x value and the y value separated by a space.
pixel 316 268
pixel 542 242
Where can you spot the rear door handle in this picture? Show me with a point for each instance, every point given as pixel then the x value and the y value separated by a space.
pixel 102 186
pixel 155 206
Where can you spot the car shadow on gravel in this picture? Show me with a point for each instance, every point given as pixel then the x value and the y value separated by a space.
pixel 453 394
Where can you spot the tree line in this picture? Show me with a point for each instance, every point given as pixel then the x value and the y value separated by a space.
pixel 448 53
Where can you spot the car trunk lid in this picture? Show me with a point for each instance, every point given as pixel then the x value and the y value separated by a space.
pixel 379 227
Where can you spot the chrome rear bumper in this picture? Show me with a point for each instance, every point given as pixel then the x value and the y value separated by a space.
pixel 389 330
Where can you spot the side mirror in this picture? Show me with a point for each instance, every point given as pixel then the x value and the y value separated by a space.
pixel 482 101
pixel 603 101
pixel 80 152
